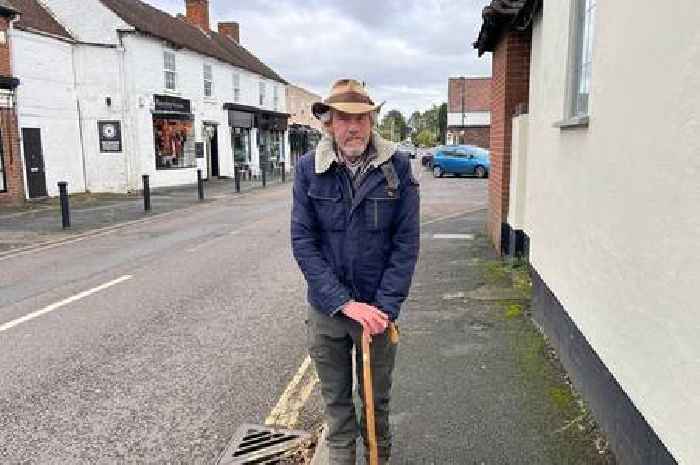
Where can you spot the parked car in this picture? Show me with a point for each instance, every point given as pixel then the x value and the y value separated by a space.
pixel 461 159
pixel 426 158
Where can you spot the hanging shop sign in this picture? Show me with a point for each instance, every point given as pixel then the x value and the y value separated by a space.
pixel 110 136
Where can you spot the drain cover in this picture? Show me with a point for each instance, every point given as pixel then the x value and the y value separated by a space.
pixel 260 445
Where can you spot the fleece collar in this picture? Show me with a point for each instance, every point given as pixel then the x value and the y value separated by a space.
pixel 325 152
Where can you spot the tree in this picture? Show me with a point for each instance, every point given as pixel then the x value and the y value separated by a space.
pixel 424 137
pixel 442 122
pixel 394 126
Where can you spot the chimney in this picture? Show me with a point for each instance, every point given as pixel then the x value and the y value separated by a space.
pixel 230 30
pixel 197 13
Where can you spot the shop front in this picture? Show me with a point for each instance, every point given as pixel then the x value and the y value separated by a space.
pixel 257 138
pixel 302 139
pixel 241 124
pixel 173 133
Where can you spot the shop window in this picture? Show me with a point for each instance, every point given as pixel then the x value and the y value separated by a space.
pixel 208 81
pixel 174 143
pixel 236 87
pixel 262 93
pixel 240 140
pixel 583 28
pixel 169 70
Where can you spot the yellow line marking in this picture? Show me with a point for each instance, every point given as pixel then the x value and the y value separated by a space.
pixel 283 403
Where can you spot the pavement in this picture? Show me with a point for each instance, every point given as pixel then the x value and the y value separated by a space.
pixel 475 381
pixel 39 221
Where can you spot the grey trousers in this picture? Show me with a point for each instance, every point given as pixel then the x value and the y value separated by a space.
pixel 330 341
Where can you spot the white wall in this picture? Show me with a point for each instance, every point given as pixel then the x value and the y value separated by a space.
pixel 613 209
pixel 87 21
pixel 46 100
pixel 474 118
pixel 518 172
pixel 144 77
pixel 98 77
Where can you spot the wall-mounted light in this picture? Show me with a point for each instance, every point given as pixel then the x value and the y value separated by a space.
pixel 108 101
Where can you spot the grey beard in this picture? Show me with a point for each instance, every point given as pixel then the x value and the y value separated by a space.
pixel 351 154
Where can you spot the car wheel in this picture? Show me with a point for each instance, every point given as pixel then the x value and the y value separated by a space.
pixel 480 172
pixel 437 172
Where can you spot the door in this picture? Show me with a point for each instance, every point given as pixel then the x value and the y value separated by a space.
pixel 212 148
pixel 34 162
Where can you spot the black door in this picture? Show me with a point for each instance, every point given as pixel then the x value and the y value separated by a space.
pixel 215 153
pixel 34 161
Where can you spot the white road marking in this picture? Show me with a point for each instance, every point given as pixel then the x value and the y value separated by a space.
pixel 449 217
pixel 57 305
pixel 282 406
pixel 454 236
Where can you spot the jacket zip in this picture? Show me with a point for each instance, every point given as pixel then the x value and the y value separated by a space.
pixel 376 213
pixel 350 198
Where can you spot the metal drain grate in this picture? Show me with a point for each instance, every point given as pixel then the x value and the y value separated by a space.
pixel 260 445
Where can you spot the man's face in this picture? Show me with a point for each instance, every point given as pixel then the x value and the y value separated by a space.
pixel 351 132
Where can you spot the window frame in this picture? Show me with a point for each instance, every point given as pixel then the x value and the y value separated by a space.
pixel 579 67
pixel 209 81
pixel 236 87
pixel 3 178
pixel 262 93
pixel 172 71
pixel 275 97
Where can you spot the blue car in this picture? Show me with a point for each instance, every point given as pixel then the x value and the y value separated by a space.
pixel 461 159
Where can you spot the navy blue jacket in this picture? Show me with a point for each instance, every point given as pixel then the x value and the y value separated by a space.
pixel 362 246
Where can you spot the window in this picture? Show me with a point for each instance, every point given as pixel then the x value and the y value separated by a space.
pixel 169 70
pixel 262 93
pixel 174 143
pixel 208 81
pixel 3 187
pixel 275 97
pixel 582 54
pixel 236 87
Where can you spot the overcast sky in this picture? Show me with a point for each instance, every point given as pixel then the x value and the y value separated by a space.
pixel 404 49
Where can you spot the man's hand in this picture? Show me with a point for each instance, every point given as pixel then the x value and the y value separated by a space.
pixel 373 320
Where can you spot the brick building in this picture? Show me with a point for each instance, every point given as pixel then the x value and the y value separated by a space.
pixel 11 177
pixel 468 111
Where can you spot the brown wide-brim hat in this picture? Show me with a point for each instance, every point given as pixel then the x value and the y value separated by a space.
pixel 348 96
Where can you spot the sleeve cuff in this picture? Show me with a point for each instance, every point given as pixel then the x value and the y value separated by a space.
pixel 339 308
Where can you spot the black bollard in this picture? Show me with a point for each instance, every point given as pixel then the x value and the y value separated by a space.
pixel 65 207
pixel 264 177
pixel 200 184
pixel 237 178
pixel 146 193
pixel 284 175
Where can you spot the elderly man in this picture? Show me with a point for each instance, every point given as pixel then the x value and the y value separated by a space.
pixel 355 235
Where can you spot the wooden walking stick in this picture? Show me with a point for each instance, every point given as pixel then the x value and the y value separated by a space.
pixel 393 333
pixel 369 400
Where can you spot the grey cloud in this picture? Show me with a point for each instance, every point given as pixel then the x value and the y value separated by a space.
pixel 404 50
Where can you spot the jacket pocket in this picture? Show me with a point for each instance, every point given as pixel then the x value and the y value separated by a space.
pixel 379 212
pixel 329 209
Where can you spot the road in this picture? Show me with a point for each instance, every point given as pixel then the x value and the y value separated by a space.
pixel 154 343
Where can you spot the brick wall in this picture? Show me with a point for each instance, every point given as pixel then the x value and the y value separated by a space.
pixel 11 158
pixel 4 49
pixel 477 135
pixel 509 87
pixel 477 94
